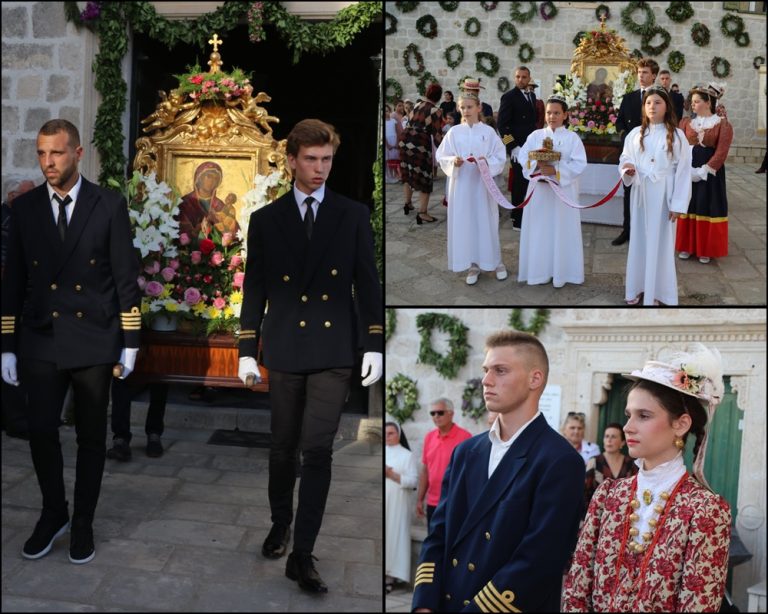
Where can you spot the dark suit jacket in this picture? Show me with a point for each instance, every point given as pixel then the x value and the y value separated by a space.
pixel 78 303
pixel 677 101
pixel 503 541
pixel 630 114
pixel 313 288
pixel 517 118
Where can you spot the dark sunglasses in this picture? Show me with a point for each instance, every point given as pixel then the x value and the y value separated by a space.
pixel 438 412
pixel 575 413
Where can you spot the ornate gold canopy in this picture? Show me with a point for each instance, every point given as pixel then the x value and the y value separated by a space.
pixel 605 48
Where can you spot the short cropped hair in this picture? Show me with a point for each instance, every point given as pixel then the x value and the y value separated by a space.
pixel 533 348
pixel 664 72
pixel 54 126
pixel 443 401
pixel 311 132
pixel 649 63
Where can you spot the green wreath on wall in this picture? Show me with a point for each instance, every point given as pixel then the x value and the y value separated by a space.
pixel 473 392
pixel 628 21
pixel 426 25
pixel 507 33
pixel 447 366
pixel 537 324
pixel 519 16
pixel 526 53
pixel 405 386
pixel 391 324
pixel 721 67
pixel 472 27
pixel 679 11
pixel 424 81
pixel 449 6
pixel 676 61
pixel 390 23
pixel 412 52
pixel 486 63
pixel 458 49
pixel 700 34
pixel 649 34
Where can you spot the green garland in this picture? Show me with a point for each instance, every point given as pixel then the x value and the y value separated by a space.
pixel 118 18
pixel 602 10
pixel 486 63
pixel 519 17
pixel 700 34
pixel 413 50
pixel 679 11
pixel 377 218
pixel 390 23
pixel 449 6
pixel 547 10
pixel 526 53
pixel 406 7
pixel 402 384
pixel 648 36
pixel 676 61
pixel 447 366
pixel 758 61
pixel 507 33
pixel 577 39
pixel 393 84
pixel 459 49
pixel 731 25
pixel 538 323
pixel 472 27
pixel 720 67
pixel 636 53
pixel 742 39
pixel 424 81
pixel 391 323
pixel 426 25
pixel 473 390
pixel 630 24
pixel 503 84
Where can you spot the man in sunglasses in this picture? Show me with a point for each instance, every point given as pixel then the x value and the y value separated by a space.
pixel 436 453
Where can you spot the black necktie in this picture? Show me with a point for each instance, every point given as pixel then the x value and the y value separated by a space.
pixel 528 98
pixel 309 217
pixel 61 222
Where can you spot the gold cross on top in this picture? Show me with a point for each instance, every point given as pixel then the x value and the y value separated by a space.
pixel 215 41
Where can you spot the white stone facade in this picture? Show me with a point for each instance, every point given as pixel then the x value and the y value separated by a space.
pixel 587 346
pixel 552 42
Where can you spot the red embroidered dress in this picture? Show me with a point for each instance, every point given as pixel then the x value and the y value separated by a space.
pixel 683 570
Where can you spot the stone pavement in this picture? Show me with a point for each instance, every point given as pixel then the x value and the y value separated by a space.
pixel 417 273
pixel 183 532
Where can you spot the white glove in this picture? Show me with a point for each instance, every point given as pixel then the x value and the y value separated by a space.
pixel 372 367
pixel 128 360
pixel 513 154
pixel 702 170
pixel 9 369
pixel 246 367
pixel 695 175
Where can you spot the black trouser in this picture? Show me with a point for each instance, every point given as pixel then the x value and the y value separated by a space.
pixel 46 387
pixel 519 188
pixel 123 392
pixel 306 409
pixel 627 189
pixel 14 405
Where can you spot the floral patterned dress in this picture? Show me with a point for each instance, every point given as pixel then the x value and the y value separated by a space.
pixel 598 470
pixel 684 569
pixel 416 161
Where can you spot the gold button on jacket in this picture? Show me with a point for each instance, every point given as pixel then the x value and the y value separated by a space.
pixel 304 298
pixel 53 286
pixel 302 323
pixel 455 562
pixel 78 287
pixel 325 297
pixel 55 314
pixel 487 536
pixel 286 278
pixel 79 314
pixel 327 324
pixel 334 272
pixel 471 567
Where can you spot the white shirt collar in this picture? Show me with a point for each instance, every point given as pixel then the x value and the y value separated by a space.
pixel 498 447
pixel 72 193
pixel 662 477
pixel 300 196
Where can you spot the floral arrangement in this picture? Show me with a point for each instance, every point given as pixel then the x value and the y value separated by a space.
pixel 593 116
pixel 256 22
pixel 266 188
pixel 700 372
pixel 199 85
pixel 405 386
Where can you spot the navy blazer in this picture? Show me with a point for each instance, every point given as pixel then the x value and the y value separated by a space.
pixel 517 118
pixel 78 303
pixel 630 114
pixel 678 101
pixel 501 544
pixel 316 289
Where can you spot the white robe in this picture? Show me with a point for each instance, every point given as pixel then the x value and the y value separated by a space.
pixel 662 184
pixel 473 216
pixel 399 505
pixel 550 235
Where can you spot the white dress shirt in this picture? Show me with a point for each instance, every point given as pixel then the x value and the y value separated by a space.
pixel 71 206
pixel 498 447
pixel 300 196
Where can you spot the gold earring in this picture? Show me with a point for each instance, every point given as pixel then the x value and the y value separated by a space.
pixel 679 443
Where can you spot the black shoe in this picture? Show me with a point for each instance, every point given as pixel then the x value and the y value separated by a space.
pixel 154 445
pixel 120 450
pixel 276 543
pixel 81 549
pixel 50 527
pixel 299 567
pixel 621 239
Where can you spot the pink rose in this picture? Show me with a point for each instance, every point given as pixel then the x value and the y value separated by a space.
pixel 154 288
pixel 237 281
pixel 184 238
pixel 226 239
pixel 582 114
pixel 174 264
pixel 168 273
pixel 612 119
pixel 219 303
pixel 235 261
pixel 217 258
pixel 196 79
pixel 142 282
pixel 153 268
pixel 195 257
pixel 209 83
pixel 590 124
pixel 192 296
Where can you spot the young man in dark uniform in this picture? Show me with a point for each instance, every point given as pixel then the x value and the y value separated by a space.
pixel 311 256
pixel 70 311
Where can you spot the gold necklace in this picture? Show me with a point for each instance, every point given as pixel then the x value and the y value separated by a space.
pixel 653 522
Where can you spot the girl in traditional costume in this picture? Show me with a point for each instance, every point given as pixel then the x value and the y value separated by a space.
pixel 658 541
pixel 703 231
pixel 402 478
pixel 473 216
pixel 550 240
pixel 656 162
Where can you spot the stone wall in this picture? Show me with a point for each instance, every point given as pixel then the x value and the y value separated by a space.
pixel 553 46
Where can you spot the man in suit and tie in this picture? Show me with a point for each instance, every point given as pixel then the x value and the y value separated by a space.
pixel 311 257
pixel 517 119
pixel 629 117
pixel 678 100
pixel 511 499
pixel 70 311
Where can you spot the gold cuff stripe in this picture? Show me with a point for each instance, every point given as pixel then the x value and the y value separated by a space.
pixel 507 597
pixel 8 318
pixel 496 605
pixel 480 600
pixel 507 139
pixel 133 311
pixel 8 332
pixel 247 330
pixel 430 565
pixel 425 572
pixel 137 327
pixel 253 336
pixel 423 581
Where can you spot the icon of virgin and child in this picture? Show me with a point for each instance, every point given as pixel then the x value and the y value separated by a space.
pixel 201 209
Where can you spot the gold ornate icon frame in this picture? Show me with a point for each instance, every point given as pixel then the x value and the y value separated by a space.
pixel 604 49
